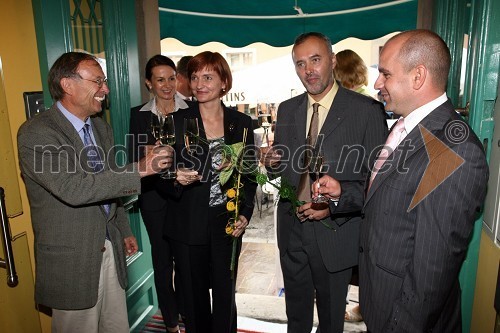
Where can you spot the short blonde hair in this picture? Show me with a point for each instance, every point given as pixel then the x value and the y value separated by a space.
pixel 350 70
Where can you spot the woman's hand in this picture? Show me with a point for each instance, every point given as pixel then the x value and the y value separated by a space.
pixel 187 176
pixel 240 226
pixel 148 149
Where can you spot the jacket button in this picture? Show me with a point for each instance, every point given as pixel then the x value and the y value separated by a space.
pixel 103 249
pixel 360 249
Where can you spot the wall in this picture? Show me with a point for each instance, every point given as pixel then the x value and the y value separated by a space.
pixel 483 312
pixel 18 51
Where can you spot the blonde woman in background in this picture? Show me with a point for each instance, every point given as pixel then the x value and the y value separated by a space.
pixel 352 72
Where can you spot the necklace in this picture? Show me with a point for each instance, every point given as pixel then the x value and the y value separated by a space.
pixel 165 110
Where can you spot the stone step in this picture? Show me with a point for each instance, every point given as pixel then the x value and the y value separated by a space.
pixel 272 309
pixel 264 307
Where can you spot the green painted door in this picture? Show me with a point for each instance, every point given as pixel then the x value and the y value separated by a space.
pixel 102 28
pixel 472 30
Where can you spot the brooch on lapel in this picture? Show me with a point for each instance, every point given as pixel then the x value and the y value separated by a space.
pixel 231 127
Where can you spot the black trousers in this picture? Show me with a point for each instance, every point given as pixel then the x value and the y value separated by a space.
pixel 163 265
pixel 306 278
pixel 204 267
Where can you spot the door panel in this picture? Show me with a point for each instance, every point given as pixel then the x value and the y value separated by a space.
pixel 472 21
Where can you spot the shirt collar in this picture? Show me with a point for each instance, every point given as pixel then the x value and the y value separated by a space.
pixel 327 101
pixel 74 120
pixel 151 105
pixel 417 115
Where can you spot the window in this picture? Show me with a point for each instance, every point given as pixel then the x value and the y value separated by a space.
pixel 240 58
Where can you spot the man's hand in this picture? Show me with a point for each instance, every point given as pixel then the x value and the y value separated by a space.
pixel 130 245
pixel 326 186
pixel 158 158
pixel 305 212
pixel 269 156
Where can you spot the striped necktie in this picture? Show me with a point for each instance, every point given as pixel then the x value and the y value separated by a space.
pixel 304 188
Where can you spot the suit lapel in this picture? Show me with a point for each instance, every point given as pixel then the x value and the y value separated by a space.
pixel 301 119
pixel 231 128
pixel 104 147
pixel 336 114
pixel 411 145
pixel 66 129
pixel 73 138
pixel 413 140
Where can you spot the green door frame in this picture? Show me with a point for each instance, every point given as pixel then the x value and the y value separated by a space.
pixel 452 19
pixel 53 36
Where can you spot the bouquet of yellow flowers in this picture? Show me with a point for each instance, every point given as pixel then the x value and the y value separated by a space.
pixel 235 166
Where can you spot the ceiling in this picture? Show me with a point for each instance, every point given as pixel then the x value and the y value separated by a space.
pixel 238 23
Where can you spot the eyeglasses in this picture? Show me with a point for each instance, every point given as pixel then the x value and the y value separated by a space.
pixel 98 81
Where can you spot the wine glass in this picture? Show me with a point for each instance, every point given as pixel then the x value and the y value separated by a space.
pixel 156 123
pixel 263 120
pixel 191 134
pixel 316 166
pixel 167 137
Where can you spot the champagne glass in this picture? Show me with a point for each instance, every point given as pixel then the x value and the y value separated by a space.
pixel 167 137
pixel 191 134
pixel 316 167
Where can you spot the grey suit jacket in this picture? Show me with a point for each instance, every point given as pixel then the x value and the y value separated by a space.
pixel 412 253
pixel 65 198
pixel 353 130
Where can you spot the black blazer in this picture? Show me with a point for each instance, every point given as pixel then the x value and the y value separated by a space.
pixel 189 209
pixel 139 136
pixel 352 133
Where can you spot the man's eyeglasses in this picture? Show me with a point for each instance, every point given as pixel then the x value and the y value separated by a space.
pixel 98 81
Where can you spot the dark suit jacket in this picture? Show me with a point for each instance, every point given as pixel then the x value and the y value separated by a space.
pixel 65 198
pixel 353 130
pixel 189 210
pixel 412 256
pixel 140 135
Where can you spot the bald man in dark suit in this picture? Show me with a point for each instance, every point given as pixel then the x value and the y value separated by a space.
pixel 422 197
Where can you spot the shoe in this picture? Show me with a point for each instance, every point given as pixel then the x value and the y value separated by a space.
pixel 352 316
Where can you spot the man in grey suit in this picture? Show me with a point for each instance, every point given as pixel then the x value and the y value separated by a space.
pixel 318 247
pixel 423 197
pixel 81 230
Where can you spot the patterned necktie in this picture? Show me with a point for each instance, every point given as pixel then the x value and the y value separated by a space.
pixel 397 135
pixel 93 158
pixel 304 189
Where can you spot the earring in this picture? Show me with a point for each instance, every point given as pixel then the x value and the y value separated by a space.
pixel 223 90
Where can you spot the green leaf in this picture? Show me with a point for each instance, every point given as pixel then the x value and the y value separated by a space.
pixel 236 150
pixel 225 175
